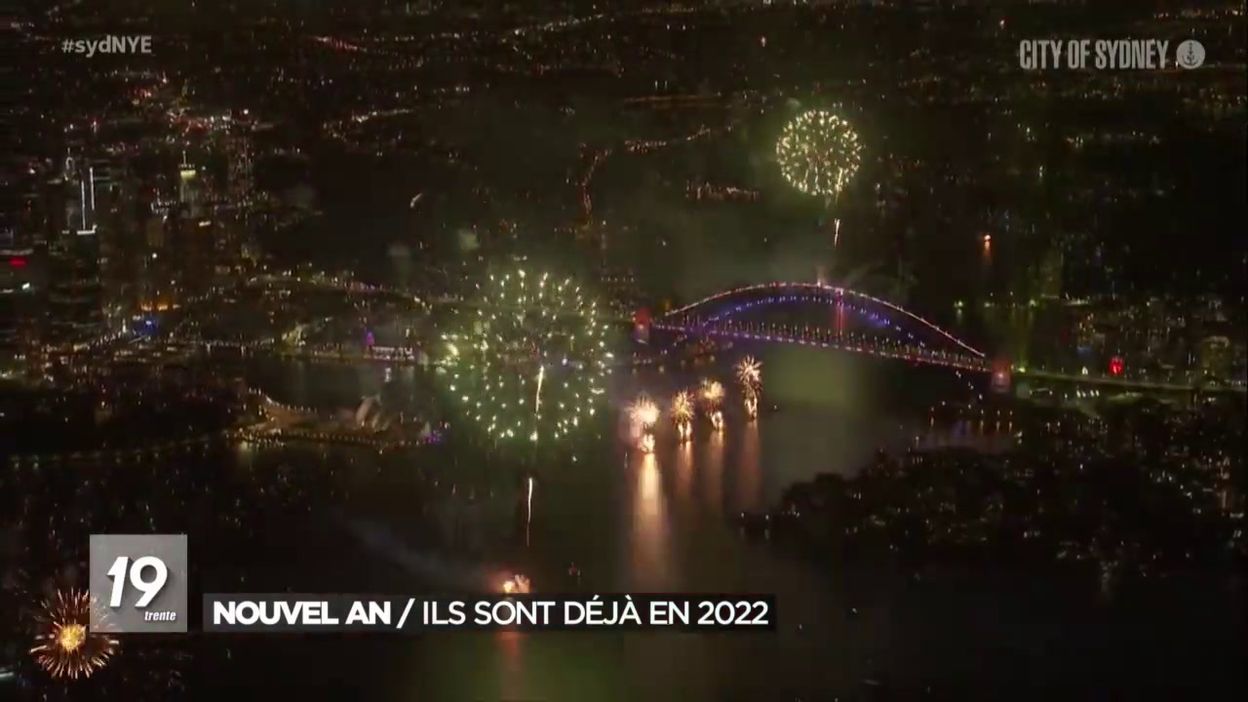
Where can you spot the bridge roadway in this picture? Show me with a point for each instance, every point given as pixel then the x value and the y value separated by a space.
pixel 913 354
pixel 965 362
pixel 399 356
pixel 378 354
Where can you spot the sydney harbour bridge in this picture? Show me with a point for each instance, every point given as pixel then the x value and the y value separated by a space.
pixel 823 316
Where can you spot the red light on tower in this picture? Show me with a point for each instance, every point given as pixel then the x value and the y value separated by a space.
pixel 1116 365
pixel 1001 377
pixel 641 325
pixel 17 262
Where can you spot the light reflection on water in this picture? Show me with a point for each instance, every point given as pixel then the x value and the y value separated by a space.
pixel 661 522
pixel 750 472
pixel 650 562
pixel 710 469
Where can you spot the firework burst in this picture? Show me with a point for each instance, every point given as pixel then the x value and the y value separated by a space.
pixel 682 407
pixel 750 375
pixel 682 414
pixel 818 153
pixel 712 393
pixel 517 585
pixel 530 358
pixel 64 646
pixel 644 412
pixel 712 397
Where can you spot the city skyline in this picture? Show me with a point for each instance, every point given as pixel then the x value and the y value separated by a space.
pixel 860 305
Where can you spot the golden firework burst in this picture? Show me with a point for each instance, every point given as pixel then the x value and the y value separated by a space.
pixel 818 153
pixel 750 375
pixel 682 407
pixel 65 646
pixel 682 412
pixel 712 393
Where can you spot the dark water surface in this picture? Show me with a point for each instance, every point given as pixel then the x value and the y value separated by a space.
pixel 662 522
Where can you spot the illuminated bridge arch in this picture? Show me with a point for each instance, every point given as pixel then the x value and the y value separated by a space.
pixel 813 314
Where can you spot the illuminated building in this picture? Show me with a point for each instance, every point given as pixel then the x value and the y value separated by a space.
pixel 188 232
pixel 1215 356
pixel 75 296
pixel 18 304
pixel 190 188
pixel 155 280
pixel 120 243
pixel 235 235
pixel 1049 274
pixel 191 246
pixel 240 178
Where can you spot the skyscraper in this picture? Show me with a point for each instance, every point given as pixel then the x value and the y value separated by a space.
pixel 75 298
pixel 18 288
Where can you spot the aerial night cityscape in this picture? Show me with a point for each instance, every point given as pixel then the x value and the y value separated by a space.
pixel 916 329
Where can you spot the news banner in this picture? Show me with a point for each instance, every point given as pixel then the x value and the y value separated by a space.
pixel 139 583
